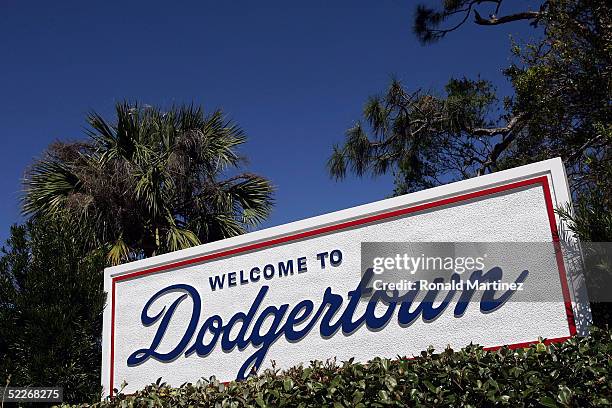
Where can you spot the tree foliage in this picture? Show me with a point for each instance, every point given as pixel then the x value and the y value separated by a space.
pixel 151 182
pixel 560 107
pixel 51 303
pixel 423 138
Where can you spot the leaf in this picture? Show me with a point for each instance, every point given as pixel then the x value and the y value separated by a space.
pixel 357 397
pixel 390 382
pixel 565 395
pixel 288 384
pixel 383 396
pixel 548 402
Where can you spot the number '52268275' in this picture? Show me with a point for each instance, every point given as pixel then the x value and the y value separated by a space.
pixel 32 394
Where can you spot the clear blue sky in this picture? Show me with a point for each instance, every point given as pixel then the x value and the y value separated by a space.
pixel 294 75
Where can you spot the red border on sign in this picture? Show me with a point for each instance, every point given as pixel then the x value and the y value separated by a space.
pixel 543 180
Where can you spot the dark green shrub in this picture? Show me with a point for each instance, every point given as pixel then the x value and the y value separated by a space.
pixel 51 302
pixel 575 373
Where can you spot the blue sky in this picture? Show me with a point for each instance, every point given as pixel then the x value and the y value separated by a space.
pixel 293 75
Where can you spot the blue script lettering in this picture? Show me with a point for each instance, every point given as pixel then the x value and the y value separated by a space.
pixel 142 355
pixel 329 312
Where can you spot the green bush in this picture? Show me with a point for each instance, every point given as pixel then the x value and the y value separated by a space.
pixel 575 373
pixel 51 303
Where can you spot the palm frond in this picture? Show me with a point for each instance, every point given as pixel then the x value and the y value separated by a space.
pixel 252 196
pixel 220 226
pixel 48 186
pixel 180 238
pixel 118 252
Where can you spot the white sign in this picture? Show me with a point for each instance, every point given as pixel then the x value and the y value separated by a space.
pixel 291 293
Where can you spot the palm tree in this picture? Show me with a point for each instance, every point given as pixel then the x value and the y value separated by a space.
pixel 150 183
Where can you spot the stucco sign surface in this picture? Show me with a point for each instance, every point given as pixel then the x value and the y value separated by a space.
pixel 292 293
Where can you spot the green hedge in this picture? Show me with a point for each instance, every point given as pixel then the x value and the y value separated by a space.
pixel 576 373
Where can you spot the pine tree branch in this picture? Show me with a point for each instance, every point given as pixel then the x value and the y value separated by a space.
pixel 526 15
pixel 578 152
pixel 498 131
pixel 428 31
pixel 509 132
